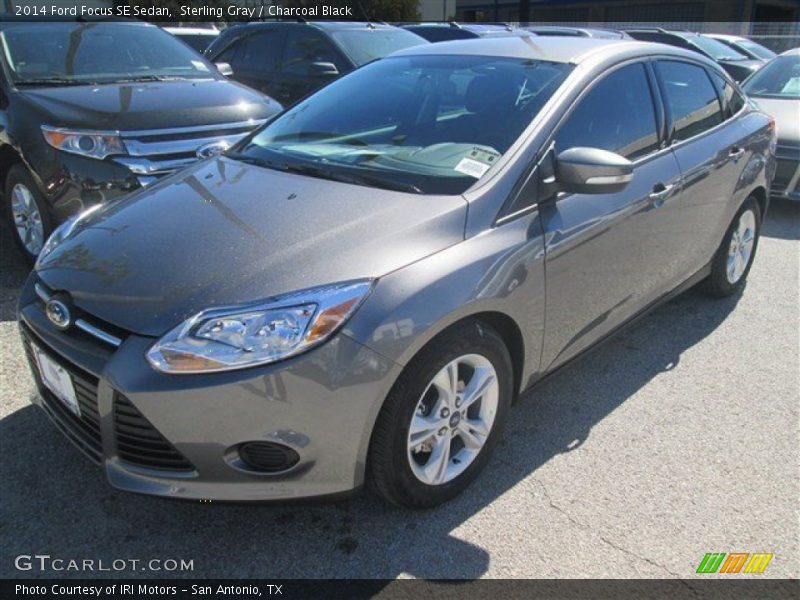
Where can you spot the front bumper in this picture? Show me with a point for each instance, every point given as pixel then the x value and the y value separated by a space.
pixel 786 183
pixel 322 405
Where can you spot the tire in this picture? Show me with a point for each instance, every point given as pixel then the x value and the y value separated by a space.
pixel 22 195
pixel 410 477
pixel 724 280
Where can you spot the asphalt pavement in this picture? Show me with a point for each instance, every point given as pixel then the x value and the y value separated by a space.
pixel 675 439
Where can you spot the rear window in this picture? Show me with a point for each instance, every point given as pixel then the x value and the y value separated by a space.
pixel 691 97
pixel 365 45
pixel 779 78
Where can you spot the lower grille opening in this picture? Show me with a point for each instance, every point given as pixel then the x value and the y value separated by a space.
pixel 267 457
pixel 139 443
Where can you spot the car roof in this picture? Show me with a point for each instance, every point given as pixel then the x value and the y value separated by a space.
pixel 323 25
pixel 554 49
pixel 792 52
pixel 192 31
pixel 577 31
pixel 725 36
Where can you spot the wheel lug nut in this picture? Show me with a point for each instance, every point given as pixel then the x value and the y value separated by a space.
pixel 442 431
pixel 445 412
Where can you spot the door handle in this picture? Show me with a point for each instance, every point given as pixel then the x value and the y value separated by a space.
pixel 735 153
pixel 660 193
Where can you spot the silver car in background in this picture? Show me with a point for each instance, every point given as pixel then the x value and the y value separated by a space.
pixel 776 91
pixel 359 291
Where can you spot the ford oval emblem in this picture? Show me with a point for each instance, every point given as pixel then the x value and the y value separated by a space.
pixel 212 149
pixel 58 313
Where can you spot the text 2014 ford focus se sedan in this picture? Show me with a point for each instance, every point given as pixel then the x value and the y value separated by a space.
pixel 360 290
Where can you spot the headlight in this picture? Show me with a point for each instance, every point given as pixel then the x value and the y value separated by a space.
pixel 238 337
pixel 94 144
pixel 62 232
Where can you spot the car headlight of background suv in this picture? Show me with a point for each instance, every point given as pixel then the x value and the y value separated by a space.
pixel 94 144
pixel 225 339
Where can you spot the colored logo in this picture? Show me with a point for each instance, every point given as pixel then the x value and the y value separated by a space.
pixel 736 562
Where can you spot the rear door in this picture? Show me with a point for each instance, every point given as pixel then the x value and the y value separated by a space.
pixel 609 255
pixel 708 146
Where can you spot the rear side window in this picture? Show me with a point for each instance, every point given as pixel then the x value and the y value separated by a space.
pixel 306 47
pixel 617 115
pixel 260 51
pixel 691 98
pixel 732 99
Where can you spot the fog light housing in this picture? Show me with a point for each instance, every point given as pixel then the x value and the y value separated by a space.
pixel 267 457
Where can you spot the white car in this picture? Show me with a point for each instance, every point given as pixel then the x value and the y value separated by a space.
pixel 198 38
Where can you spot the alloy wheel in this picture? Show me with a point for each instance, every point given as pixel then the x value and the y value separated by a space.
pixel 741 246
pixel 27 219
pixel 453 419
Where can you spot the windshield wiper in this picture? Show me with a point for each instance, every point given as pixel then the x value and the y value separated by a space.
pixel 53 81
pixel 320 173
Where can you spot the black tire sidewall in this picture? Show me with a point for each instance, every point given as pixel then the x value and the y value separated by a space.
pixel 19 174
pixel 399 480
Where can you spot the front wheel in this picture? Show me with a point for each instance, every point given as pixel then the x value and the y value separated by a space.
pixel 732 262
pixel 442 418
pixel 27 212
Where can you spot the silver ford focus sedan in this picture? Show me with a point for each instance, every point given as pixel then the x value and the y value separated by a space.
pixel 359 291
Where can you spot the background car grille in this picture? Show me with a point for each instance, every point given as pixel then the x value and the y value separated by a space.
pixel 784 172
pixel 156 152
pixel 83 431
pixel 139 443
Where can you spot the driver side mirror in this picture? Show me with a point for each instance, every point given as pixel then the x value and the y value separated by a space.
pixel 325 69
pixel 224 68
pixel 592 171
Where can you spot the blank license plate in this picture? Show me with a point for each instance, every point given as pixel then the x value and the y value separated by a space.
pixel 57 380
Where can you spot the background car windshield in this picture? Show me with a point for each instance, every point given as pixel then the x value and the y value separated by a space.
pixel 365 45
pixel 97 52
pixel 780 77
pixel 757 49
pixel 716 49
pixel 435 122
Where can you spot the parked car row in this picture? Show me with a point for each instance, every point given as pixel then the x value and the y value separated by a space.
pixel 356 292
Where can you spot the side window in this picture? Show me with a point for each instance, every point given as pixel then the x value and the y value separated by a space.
pixel 229 54
pixel 260 51
pixel 732 99
pixel 691 97
pixel 305 47
pixel 617 115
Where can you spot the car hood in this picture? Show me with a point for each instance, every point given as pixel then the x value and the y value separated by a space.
pixel 785 111
pixel 224 233
pixel 152 105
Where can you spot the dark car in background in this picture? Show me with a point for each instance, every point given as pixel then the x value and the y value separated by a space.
pixel 775 89
pixel 89 111
pixel 362 291
pixel 734 62
pixel 288 61
pixel 450 30
pixel 565 31
pixel 743 45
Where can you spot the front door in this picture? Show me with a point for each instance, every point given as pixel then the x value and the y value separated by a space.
pixel 609 255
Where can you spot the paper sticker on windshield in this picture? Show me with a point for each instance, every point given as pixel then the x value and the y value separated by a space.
pixel 484 155
pixel 200 66
pixel 473 168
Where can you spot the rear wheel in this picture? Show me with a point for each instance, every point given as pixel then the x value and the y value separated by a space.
pixel 27 212
pixel 733 259
pixel 442 418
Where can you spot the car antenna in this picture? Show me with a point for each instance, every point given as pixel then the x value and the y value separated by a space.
pixel 366 15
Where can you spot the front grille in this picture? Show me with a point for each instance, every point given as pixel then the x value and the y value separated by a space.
pixel 156 152
pixel 83 431
pixel 139 443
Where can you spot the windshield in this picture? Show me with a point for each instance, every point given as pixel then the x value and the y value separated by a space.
pixel 76 53
pixel 365 45
pixel 756 49
pixel 779 77
pixel 716 49
pixel 427 124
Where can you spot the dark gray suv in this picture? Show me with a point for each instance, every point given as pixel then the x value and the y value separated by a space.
pixel 360 290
